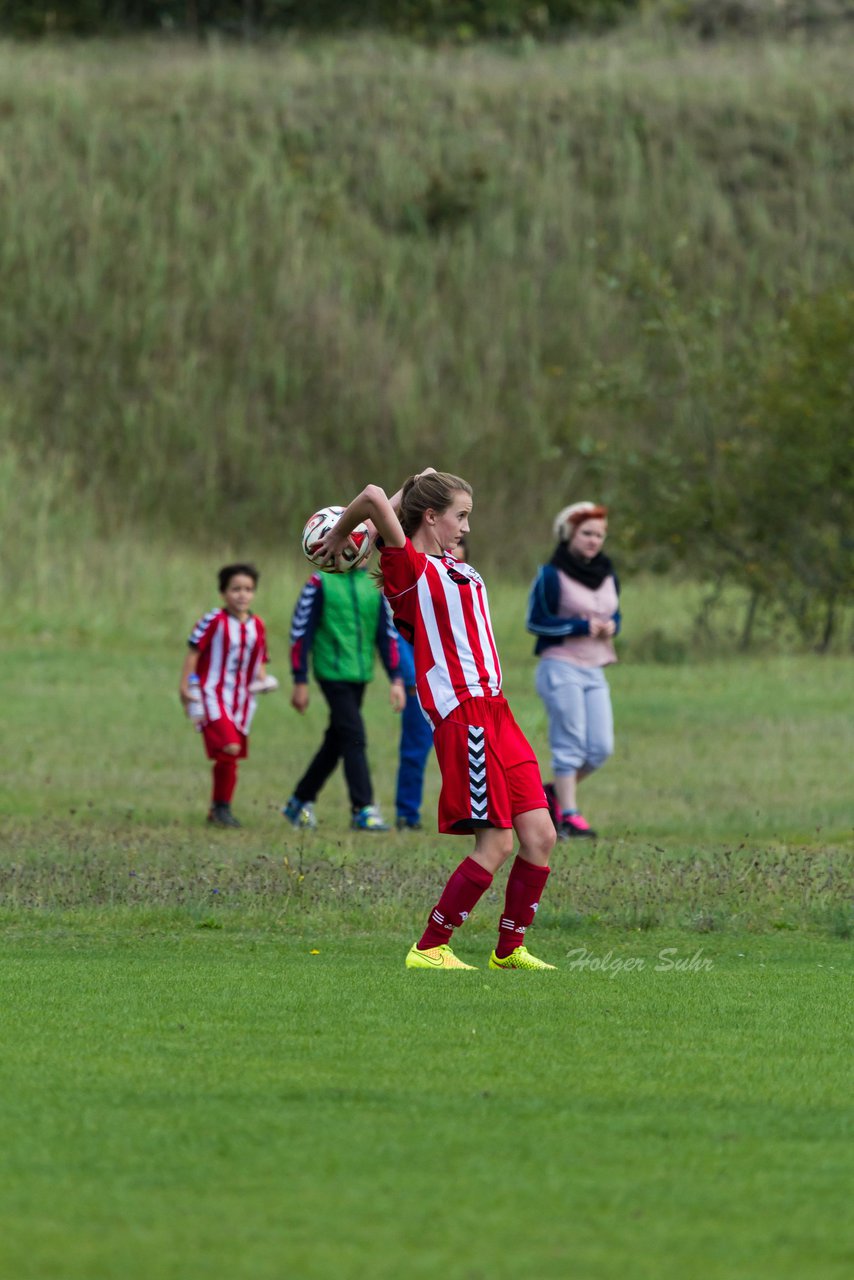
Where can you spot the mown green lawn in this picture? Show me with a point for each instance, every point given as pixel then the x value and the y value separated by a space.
pixel 214 1063
pixel 185 1102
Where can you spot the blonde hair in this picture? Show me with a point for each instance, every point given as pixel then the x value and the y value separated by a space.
pixel 432 492
pixel 567 521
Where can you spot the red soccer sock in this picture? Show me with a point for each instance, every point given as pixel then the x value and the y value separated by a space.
pixel 525 886
pixel 459 898
pixel 224 780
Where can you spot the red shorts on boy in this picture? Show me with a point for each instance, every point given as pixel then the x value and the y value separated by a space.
pixel 489 771
pixel 222 733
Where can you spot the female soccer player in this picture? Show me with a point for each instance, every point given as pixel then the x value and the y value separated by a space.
pixel 491 783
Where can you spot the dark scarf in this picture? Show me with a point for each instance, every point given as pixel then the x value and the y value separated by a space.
pixel 590 573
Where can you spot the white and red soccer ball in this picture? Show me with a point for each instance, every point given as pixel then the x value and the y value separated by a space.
pixel 356 549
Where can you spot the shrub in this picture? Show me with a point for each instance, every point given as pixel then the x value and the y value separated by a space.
pixel 460 18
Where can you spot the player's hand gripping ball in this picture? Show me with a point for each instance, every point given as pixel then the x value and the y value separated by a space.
pixel 356 549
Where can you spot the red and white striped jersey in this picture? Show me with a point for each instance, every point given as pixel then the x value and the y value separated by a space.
pixel 440 606
pixel 229 654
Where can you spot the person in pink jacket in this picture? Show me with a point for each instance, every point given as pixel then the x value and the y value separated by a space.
pixel 574 611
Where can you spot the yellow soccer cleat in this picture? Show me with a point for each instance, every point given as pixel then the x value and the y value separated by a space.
pixel 521 958
pixel 435 958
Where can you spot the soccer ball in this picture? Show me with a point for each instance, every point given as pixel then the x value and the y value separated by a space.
pixel 356 549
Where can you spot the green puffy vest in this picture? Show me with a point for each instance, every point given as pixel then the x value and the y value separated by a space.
pixel 345 639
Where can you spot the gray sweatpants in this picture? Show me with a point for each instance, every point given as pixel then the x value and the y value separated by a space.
pixel 581 723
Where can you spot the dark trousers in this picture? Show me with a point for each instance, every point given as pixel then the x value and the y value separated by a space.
pixel 345 739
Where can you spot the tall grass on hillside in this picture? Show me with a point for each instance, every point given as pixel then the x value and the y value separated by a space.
pixel 238 283
pixel 67 586
pixel 66 583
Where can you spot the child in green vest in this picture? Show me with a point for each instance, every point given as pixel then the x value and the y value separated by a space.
pixel 339 619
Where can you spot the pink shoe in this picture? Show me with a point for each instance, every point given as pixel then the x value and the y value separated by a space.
pixel 572 827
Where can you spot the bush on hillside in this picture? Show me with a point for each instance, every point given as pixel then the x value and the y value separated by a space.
pixel 423 18
pixel 455 18
pixel 757 490
pixel 716 18
pixel 798 466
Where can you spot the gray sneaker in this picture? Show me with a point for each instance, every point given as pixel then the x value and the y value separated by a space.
pixel 300 813
pixel 369 819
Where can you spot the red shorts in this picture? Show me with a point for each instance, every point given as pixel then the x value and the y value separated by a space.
pixel 489 771
pixel 222 733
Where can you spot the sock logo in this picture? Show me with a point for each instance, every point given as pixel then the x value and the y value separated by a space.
pixel 439 919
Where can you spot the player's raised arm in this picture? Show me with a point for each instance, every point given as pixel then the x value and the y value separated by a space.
pixel 372 507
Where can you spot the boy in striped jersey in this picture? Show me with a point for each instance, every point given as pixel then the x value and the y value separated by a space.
pixel 491 782
pixel 228 650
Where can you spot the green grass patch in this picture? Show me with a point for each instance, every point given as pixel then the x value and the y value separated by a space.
pixel 189 1101
pixel 214 1061
pixel 724 808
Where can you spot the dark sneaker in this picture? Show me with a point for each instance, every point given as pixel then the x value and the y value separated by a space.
pixel 409 824
pixel 220 815
pixel 554 805
pixel 574 827
pixel 369 819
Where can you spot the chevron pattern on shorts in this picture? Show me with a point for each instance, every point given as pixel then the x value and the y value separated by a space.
pixel 477 771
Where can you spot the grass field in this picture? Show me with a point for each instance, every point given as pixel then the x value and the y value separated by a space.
pixel 198 1103
pixel 214 1062
pixel 221 268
